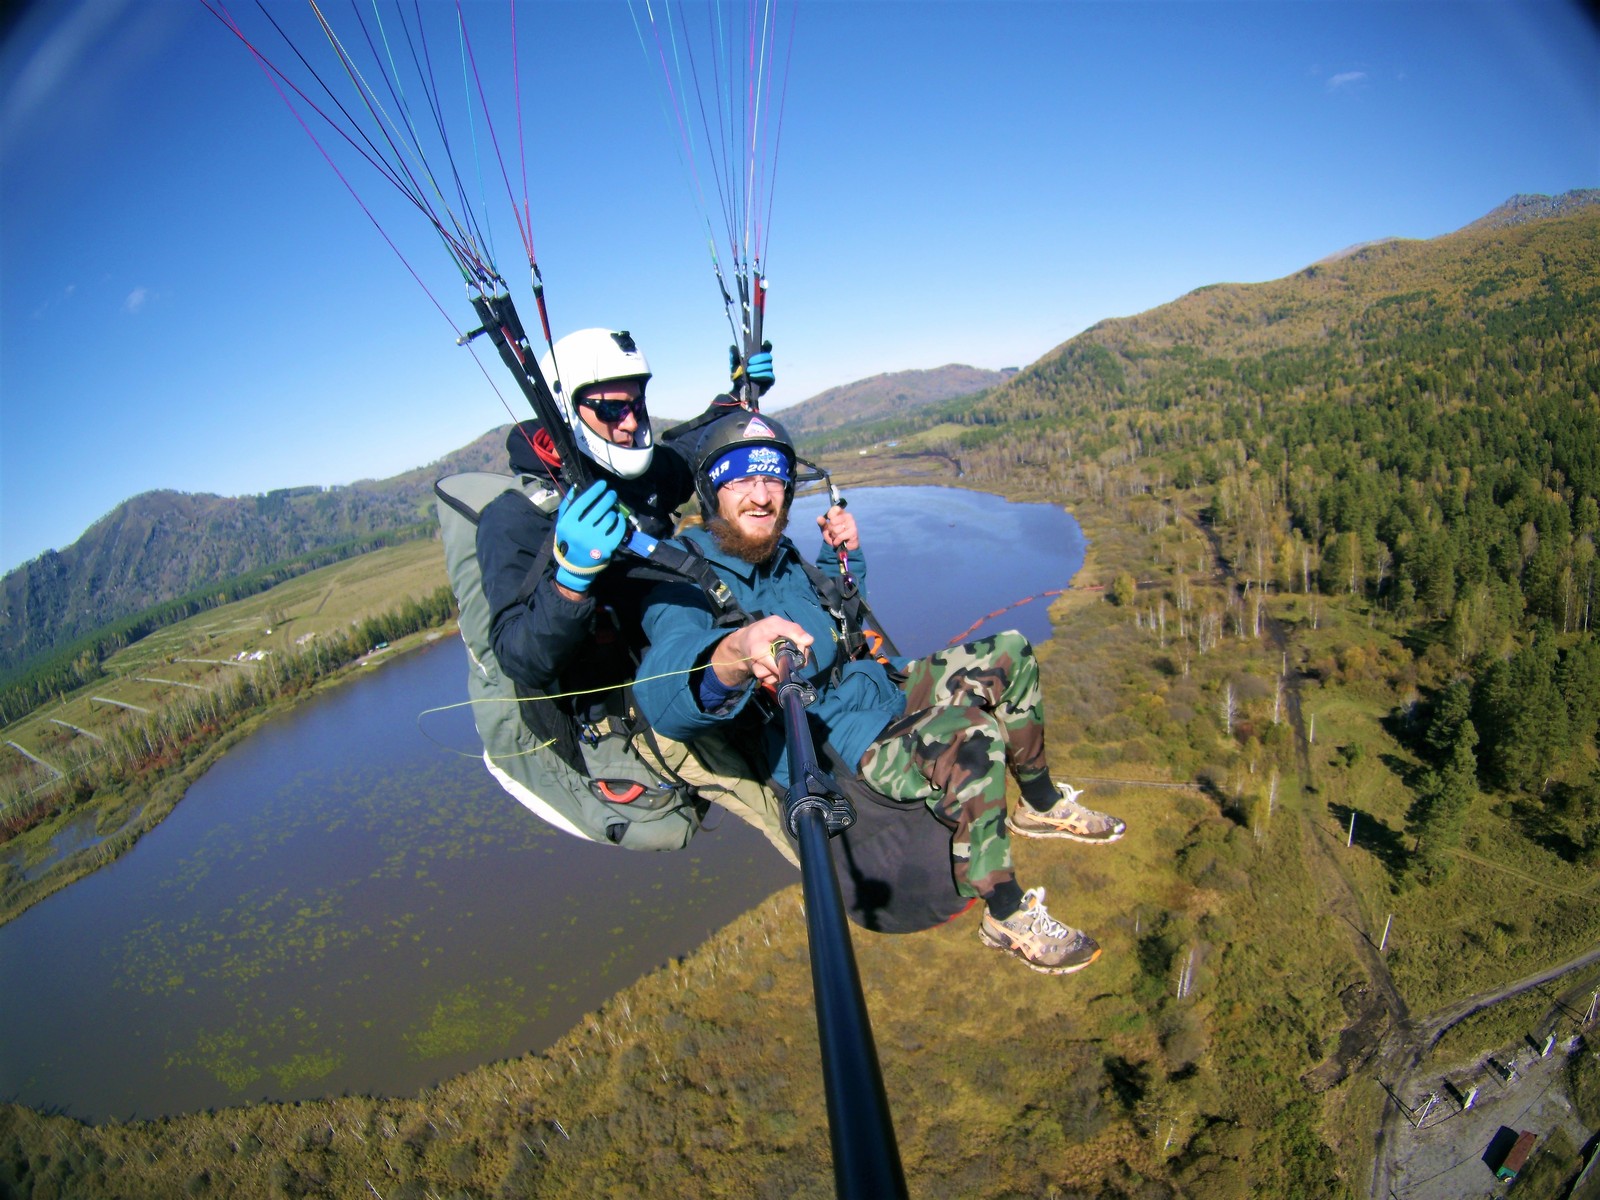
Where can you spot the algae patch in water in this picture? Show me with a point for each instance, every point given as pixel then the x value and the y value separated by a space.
pixel 225 1056
pixel 468 1018
pixel 303 1068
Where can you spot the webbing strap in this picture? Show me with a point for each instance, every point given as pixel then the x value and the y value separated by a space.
pixel 545 500
pixel 671 562
pixel 846 603
pixel 530 581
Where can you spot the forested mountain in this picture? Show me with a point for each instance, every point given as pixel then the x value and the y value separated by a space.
pixel 161 546
pixel 887 395
pixel 1413 423
pixel 1426 414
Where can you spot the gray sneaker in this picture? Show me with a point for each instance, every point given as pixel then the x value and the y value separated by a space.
pixel 1038 939
pixel 1066 818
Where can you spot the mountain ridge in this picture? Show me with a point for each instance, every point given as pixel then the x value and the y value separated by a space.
pixel 887 394
pixel 163 544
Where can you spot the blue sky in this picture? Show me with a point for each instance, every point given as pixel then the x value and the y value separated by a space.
pixel 191 299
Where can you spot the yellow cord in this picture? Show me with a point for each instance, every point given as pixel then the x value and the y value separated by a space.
pixel 610 687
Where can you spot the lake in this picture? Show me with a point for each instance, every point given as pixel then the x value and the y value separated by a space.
pixel 347 902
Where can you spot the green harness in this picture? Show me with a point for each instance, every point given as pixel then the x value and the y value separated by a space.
pixel 619 800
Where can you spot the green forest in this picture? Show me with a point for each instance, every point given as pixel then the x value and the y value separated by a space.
pixel 1415 426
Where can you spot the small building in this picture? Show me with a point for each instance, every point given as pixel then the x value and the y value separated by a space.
pixel 1517 1157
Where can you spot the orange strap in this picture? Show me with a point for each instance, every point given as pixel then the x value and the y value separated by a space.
pixel 874 641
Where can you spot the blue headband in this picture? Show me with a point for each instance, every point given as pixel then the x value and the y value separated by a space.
pixel 744 461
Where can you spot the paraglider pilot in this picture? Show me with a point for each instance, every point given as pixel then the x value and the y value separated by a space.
pixel 555 613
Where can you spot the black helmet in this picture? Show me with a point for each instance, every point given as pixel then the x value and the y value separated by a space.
pixel 738 429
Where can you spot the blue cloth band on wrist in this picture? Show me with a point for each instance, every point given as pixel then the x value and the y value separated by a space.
pixel 713 693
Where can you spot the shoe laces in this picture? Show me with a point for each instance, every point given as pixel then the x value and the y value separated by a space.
pixel 1040 920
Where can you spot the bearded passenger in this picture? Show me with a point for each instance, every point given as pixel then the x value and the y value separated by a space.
pixel 944 731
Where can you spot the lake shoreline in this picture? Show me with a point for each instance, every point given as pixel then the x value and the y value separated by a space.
pixel 1042 539
pixel 761 954
pixel 151 799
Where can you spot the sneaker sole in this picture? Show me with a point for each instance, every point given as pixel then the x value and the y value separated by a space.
pixel 1063 833
pixel 994 944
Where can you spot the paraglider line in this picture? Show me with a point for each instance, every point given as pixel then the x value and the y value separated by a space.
pixel 465 258
pixel 488 121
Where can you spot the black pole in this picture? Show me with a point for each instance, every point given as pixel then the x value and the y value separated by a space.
pixel 866 1158
pixel 504 327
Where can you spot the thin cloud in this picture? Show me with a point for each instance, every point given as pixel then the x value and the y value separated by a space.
pixel 137 299
pixel 1346 79
pixel 50 302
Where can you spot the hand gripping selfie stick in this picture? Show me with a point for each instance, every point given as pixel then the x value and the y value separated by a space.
pixel 866 1159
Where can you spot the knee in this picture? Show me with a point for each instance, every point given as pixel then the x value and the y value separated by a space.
pixel 979 749
pixel 1012 648
pixel 1013 644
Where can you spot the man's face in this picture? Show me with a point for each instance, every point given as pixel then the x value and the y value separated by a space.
pixel 752 514
pixel 622 400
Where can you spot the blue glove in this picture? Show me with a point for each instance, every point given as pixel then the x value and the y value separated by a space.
pixel 759 368
pixel 589 528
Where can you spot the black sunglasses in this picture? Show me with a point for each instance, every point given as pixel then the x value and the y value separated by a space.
pixel 612 411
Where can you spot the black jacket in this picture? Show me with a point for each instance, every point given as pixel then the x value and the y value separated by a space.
pixel 545 642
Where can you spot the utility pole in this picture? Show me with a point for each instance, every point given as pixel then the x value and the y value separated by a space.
pixel 1350 839
pixel 1385 939
pixel 1426 1108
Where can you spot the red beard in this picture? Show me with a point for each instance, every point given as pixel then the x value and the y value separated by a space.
pixel 730 539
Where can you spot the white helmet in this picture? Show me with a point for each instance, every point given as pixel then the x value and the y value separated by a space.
pixel 592 356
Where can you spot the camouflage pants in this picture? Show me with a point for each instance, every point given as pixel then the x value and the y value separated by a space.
pixel 971 712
